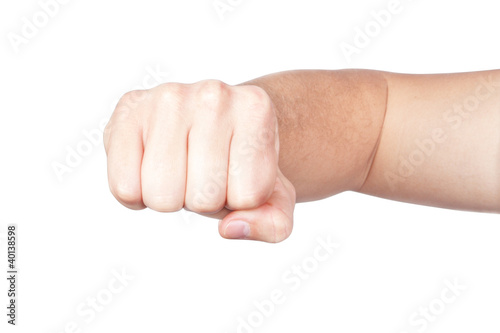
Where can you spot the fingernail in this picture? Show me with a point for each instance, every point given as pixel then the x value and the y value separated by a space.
pixel 237 229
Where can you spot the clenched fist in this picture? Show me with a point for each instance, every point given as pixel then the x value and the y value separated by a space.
pixel 208 147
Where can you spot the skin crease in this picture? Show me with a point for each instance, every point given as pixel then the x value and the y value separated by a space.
pixel 246 153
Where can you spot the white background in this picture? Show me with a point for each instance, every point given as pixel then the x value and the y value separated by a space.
pixel 393 257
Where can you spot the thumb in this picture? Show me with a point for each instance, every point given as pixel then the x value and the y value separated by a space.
pixel 271 222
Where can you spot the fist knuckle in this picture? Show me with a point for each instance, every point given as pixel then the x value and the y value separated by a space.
pixel 205 207
pixel 126 194
pixel 125 110
pixel 205 203
pixel 163 203
pixel 169 92
pixel 169 98
pixel 132 98
pixel 211 93
pixel 257 99
pixel 257 93
pixel 247 200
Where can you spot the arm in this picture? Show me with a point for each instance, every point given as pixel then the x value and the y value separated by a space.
pixel 426 139
pixel 245 153
pixel 440 144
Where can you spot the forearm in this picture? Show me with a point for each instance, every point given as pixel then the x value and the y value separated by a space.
pixel 427 139
pixel 329 126
pixel 440 144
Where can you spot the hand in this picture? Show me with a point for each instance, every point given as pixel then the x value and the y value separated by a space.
pixel 208 147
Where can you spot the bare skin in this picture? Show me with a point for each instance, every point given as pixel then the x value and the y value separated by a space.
pixel 245 154
pixel 448 129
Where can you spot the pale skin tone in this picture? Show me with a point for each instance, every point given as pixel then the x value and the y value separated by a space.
pixel 246 154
